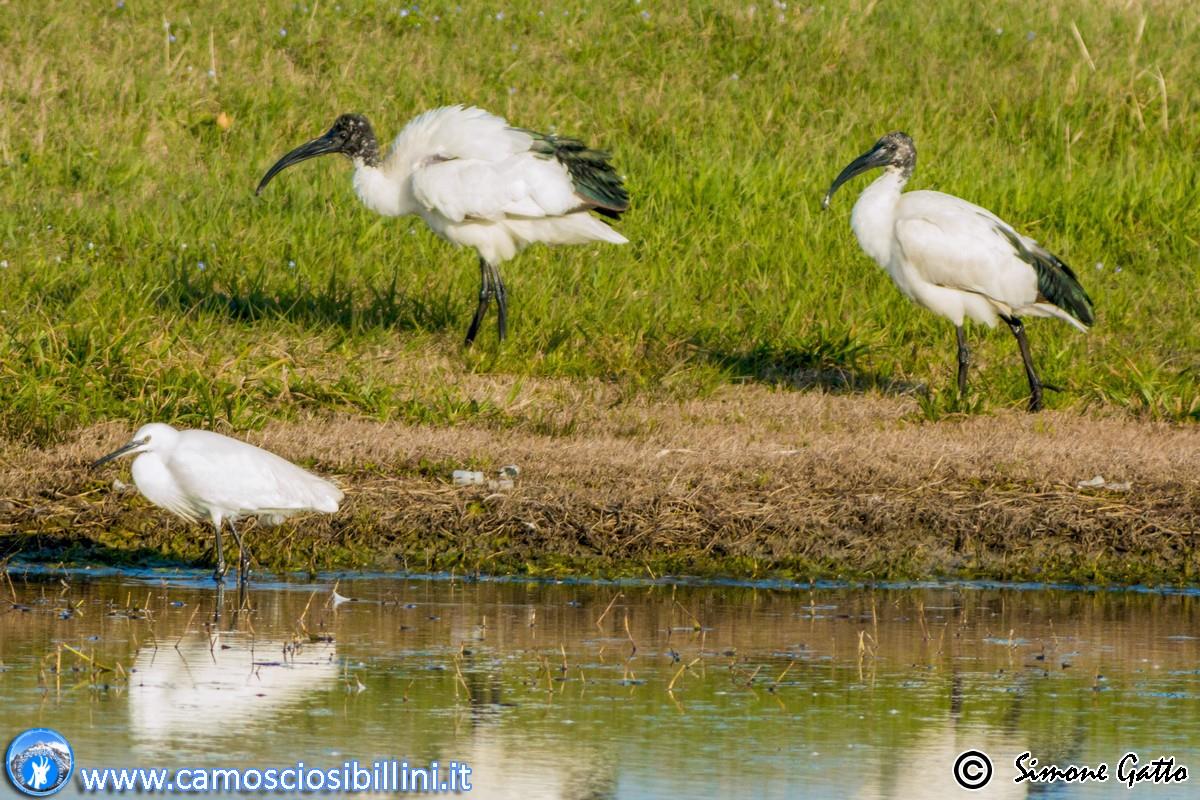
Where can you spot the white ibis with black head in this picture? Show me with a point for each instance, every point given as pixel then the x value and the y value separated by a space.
pixel 477 182
pixel 957 259
pixel 202 475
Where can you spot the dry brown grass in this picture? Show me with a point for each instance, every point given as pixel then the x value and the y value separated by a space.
pixel 749 481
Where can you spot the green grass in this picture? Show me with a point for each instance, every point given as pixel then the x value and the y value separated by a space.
pixel 729 121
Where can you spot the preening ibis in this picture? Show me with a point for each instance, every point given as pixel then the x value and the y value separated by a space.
pixel 202 475
pixel 958 259
pixel 478 182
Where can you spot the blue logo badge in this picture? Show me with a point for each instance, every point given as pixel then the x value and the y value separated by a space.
pixel 39 762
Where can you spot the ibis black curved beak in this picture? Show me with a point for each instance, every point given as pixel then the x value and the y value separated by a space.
pixel 875 157
pixel 329 143
pixel 120 451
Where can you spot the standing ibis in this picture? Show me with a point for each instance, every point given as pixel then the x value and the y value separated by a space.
pixel 478 182
pixel 202 475
pixel 957 259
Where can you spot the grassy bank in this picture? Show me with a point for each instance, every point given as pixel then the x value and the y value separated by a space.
pixel 140 279
pixel 145 281
pixel 750 482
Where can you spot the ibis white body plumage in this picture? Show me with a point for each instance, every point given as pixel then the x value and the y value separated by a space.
pixel 478 182
pixel 475 182
pixel 949 256
pixel 957 259
pixel 205 476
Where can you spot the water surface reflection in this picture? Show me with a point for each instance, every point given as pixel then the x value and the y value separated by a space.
pixel 602 691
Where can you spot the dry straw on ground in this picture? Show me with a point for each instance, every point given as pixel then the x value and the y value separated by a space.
pixel 749 481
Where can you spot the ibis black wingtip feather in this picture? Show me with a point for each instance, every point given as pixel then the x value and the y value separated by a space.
pixel 1057 282
pixel 592 174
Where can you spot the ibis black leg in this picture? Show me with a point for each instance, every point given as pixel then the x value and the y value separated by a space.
pixel 1035 384
pixel 964 359
pixel 486 292
pixel 219 572
pixel 501 302
pixel 243 557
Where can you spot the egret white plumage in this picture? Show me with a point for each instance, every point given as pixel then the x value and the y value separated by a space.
pixel 202 475
pixel 957 259
pixel 477 182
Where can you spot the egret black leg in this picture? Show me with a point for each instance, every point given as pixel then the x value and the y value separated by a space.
pixel 219 572
pixel 1035 384
pixel 220 602
pixel 486 291
pixel 243 557
pixel 501 302
pixel 964 359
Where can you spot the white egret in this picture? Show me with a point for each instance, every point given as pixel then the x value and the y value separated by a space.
pixel 477 182
pixel 202 475
pixel 958 259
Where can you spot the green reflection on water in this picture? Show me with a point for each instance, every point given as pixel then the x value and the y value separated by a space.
pixel 579 691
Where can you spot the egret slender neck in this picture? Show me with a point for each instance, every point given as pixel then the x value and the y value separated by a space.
pixel 874 214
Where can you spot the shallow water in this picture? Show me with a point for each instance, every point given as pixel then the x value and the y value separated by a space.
pixel 596 690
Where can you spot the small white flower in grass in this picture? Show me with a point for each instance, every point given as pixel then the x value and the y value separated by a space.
pixel 200 265
pixel 171 37
pixel 91 246
pixel 1117 270
pixel 282 32
pixel 541 13
pixel 404 12
pixel 436 18
pixel 1099 265
pixel 4 264
pixel 499 16
pixel 999 31
pixel 212 73
pixel 183 245
pixel 291 264
pixel 733 77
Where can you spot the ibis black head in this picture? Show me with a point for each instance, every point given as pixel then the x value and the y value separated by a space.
pixel 351 135
pixel 894 150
